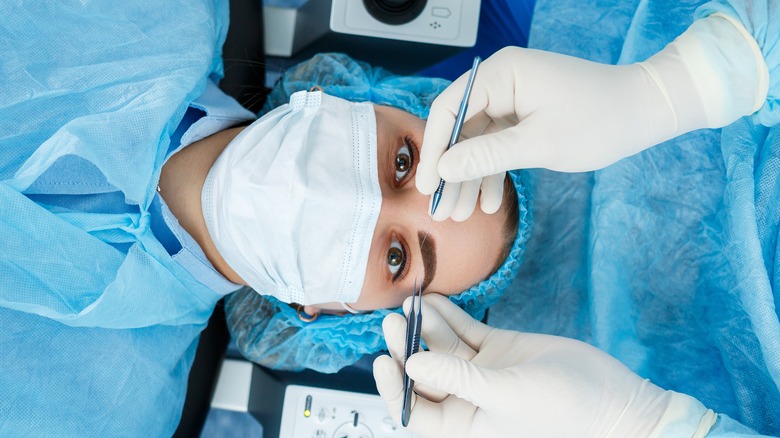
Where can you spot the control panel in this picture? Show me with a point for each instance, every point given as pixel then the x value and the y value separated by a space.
pixel 310 412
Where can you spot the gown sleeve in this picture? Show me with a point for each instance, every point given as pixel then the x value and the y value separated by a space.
pixel 761 19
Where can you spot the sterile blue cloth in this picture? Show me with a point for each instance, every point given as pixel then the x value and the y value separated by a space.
pixel 92 93
pixel 268 331
pixel 668 260
pixel 103 87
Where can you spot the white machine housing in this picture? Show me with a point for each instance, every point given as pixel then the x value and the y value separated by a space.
pixel 444 22
pixel 304 409
pixel 326 413
pixel 289 29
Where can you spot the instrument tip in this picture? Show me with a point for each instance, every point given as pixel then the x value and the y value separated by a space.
pixel 435 202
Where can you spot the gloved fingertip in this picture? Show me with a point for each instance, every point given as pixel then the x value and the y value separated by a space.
pixel 407 305
pixel 452 169
pixel 441 215
pixel 392 322
pixel 460 215
pixel 383 365
pixel 436 298
pixel 442 212
pixel 492 193
pixel 388 377
pixel 467 201
pixel 425 185
pixel 489 205
pixel 420 365
pixel 447 202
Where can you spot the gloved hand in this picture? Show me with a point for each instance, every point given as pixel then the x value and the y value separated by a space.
pixel 530 109
pixel 478 381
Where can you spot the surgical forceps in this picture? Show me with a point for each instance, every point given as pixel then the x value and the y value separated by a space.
pixel 464 105
pixel 413 327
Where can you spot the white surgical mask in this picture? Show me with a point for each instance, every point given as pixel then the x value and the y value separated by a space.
pixel 292 202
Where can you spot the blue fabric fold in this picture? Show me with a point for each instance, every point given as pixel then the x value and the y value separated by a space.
pixel 108 86
pixel 88 347
pixel 668 260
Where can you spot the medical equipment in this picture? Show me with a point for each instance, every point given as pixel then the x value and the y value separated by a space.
pixel 442 22
pixel 413 328
pixel 291 25
pixel 325 413
pixel 281 250
pixel 307 404
pixel 455 136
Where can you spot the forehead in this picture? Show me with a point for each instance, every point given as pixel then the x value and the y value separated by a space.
pixel 467 251
pixel 390 119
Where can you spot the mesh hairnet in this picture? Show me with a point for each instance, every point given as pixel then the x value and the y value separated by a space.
pixel 268 331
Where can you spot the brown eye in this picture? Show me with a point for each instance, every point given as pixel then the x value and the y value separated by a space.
pixel 395 257
pixel 403 162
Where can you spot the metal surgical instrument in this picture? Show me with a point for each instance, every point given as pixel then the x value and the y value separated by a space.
pixel 413 327
pixel 464 105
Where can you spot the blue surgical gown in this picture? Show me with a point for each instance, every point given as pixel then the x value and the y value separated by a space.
pixel 668 260
pixel 130 375
pixel 103 294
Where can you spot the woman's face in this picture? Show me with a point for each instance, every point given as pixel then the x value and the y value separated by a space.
pixel 453 256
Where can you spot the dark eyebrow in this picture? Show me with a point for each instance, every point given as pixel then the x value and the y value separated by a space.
pixel 428 251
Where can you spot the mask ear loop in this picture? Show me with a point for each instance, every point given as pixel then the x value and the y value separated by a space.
pixel 303 316
pixel 349 309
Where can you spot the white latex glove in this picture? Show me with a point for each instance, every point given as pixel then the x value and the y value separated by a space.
pixel 538 109
pixel 509 384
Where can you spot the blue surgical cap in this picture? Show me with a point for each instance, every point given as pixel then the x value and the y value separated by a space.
pixel 268 331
